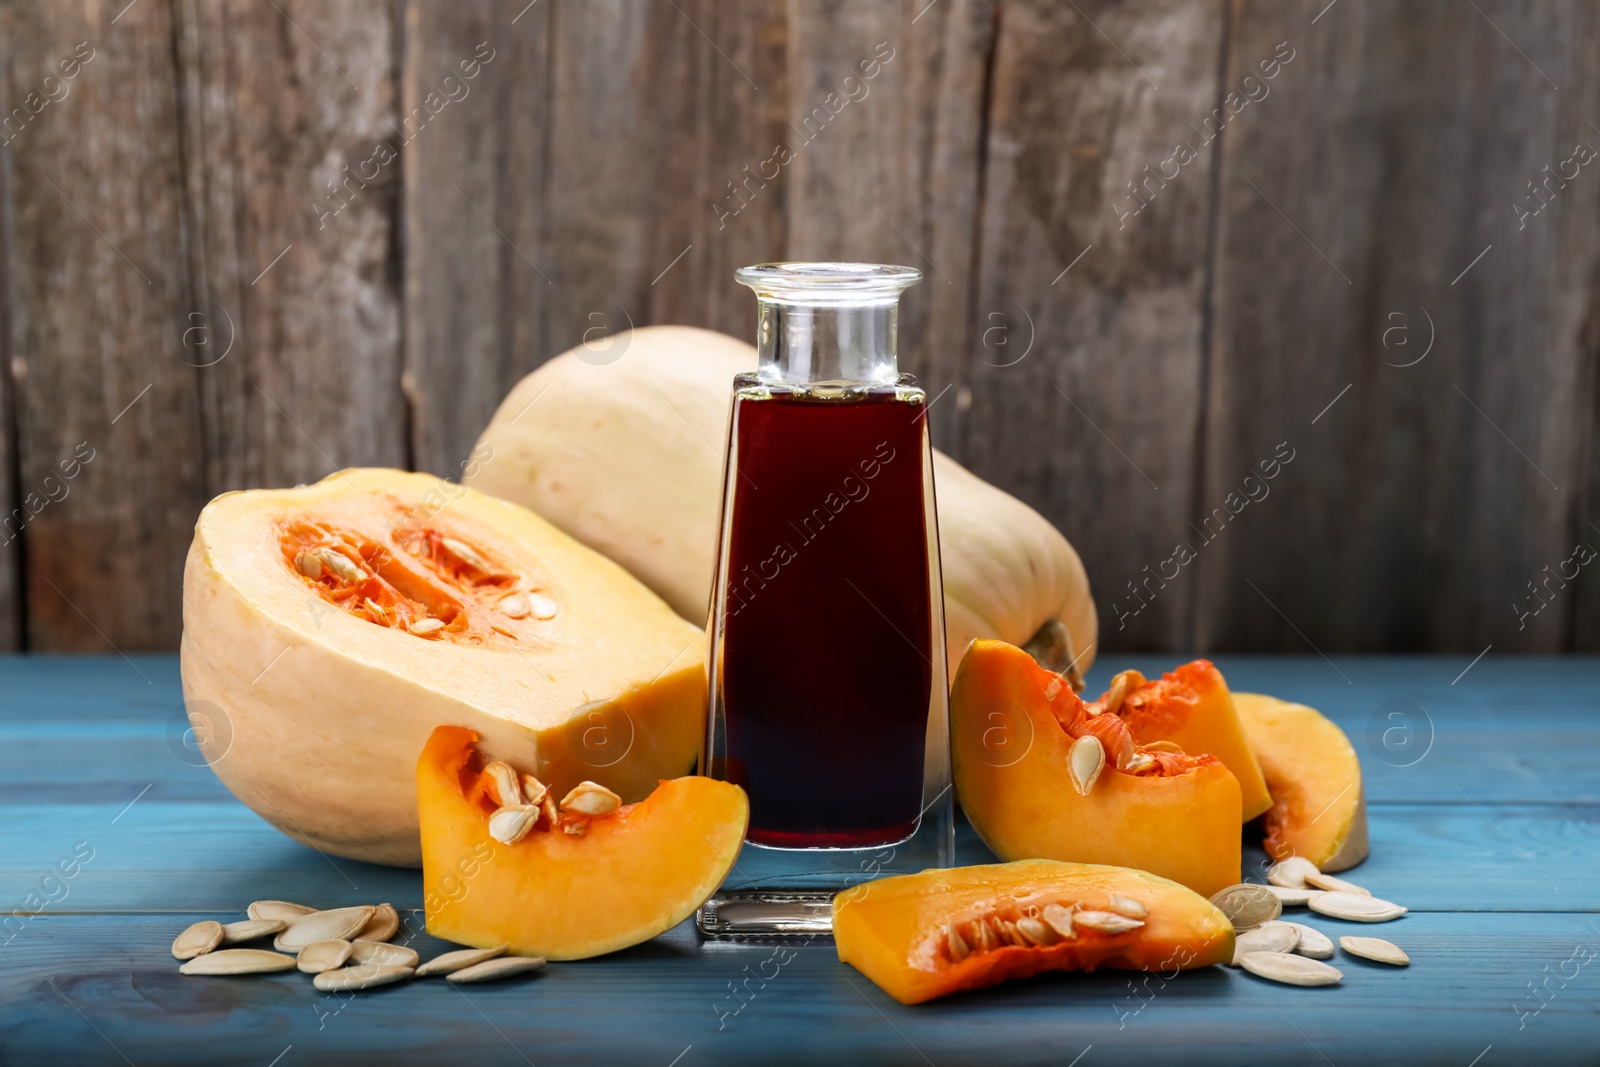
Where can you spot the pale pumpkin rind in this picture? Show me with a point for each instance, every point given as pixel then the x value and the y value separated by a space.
pixel 1009 754
pixel 633 874
pixel 314 717
pixel 894 930
pixel 1319 809
pixel 619 444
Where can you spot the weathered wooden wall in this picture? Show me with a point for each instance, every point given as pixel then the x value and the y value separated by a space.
pixel 1166 243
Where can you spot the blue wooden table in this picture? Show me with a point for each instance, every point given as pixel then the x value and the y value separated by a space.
pixel 1485 818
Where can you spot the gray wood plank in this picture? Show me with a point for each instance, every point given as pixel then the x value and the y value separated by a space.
pixel 893 175
pixel 1096 426
pixel 293 243
pixel 478 268
pixel 96 989
pixel 97 299
pixel 1387 159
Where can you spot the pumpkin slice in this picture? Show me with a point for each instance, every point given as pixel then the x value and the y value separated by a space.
pixel 574 885
pixel 329 628
pixel 921 936
pixel 1319 808
pixel 1015 730
pixel 1192 708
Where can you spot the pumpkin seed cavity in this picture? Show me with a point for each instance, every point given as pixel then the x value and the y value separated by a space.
pixel 422 594
pixel 1036 927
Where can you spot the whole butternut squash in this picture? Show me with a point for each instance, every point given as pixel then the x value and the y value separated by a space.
pixel 622 449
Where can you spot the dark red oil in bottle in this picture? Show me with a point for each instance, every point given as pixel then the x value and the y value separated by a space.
pixel 827 666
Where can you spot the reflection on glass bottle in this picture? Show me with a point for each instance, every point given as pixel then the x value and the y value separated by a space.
pixel 828 695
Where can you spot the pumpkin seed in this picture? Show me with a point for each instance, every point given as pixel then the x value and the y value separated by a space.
pixel 1122 905
pixel 322 925
pixel 1292 898
pixel 340 564
pixel 1107 922
pixel 590 798
pixel 533 790
pixel 547 808
pixel 1291 873
pixel 1331 884
pixel 1247 905
pixel 365 976
pixel 511 824
pixel 383 925
pixel 1356 908
pixel 250 929
pixel 426 627
pixel 1270 936
pixel 1290 969
pixel 1085 761
pixel 380 953
pixel 984 939
pixel 278 909
pixel 1376 948
pixel 325 955
pixel 575 827
pixel 1059 919
pixel 197 940
pixel 465 553
pixel 542 605
pixel 1138 763
pixel 308 565
pixel 507 790
pixel 515 605
pixel 499 967
pixel 238 961
pixel 1009 935
pixel 955 945
pixel 1121 685
pixel 1037 932
pixel 456 960
pixel 1313 943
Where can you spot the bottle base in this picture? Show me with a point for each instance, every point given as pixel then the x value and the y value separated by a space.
pixel 766 913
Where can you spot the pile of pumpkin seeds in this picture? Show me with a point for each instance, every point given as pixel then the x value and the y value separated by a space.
pixel 1291 952
pixel 344 949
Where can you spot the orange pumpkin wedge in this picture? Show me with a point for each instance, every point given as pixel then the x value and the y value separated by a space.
pixel 1192 708
pixel 921 936
pixel 580 886
pixel 1319 808
pixel 1014 726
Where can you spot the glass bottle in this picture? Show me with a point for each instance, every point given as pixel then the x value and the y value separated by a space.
pixel 829 701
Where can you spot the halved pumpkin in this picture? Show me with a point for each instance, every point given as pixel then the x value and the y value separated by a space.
pixel 1192 708
pixel 1319 807
pixel 574 886
pixel 329 628
pixel 1013 728
pixel 921 936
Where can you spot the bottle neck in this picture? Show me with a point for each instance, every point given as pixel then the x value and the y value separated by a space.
pixel 799 343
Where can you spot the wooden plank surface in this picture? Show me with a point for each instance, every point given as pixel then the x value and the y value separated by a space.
pixel 1333 231
pixel 1097 424
pixel 292 199
pixel 98 295
pixel 673 998
pixel 1495 856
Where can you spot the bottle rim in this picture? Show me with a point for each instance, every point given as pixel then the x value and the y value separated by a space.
pixel 828 283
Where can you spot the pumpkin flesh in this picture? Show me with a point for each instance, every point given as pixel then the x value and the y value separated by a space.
pixel 1012 727
pixel 896 931
pixel 614 881
pixel 1192 708
pixel 1319 808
